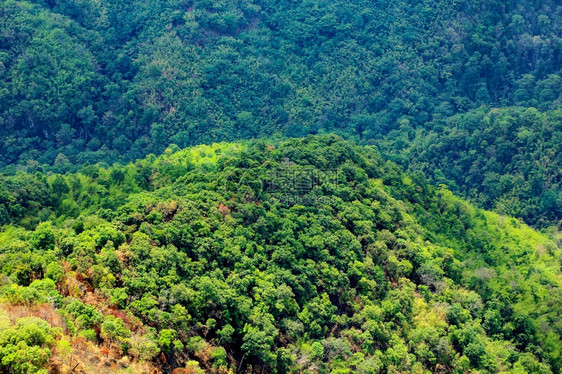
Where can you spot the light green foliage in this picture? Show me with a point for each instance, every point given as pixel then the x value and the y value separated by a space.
pixel 143 346
pixel 166 340
pixel 386 274
pixel 113 329
pixel 84 316
pixel 54 271
pixel 43 238
pixel 25 346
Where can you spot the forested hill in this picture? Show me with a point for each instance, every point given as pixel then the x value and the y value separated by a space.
pixel 507 159
pixel 280 255
pixel 311 255
pixel 87 81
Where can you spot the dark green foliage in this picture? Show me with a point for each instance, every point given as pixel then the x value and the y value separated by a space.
pixel 99 81
pixel 105 81
pixel 506 159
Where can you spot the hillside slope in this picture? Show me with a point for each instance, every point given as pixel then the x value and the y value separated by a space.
pixel 87 81
pixel 311 254
pixel 505 159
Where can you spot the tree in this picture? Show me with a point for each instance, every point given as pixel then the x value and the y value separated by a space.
pixel 113 330
pixel 25 347
pixel 59 186
pixel 143 346
pixel 259 336
pixel 168 342
pixel 43 238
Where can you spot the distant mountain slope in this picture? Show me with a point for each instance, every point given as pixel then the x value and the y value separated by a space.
pixel 87 81
pixel 507 159
pixel 308 255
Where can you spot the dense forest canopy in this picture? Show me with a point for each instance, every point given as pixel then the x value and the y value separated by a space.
pixel 89 81
pixel 280 186
pixel 195 260
pixel 507 159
